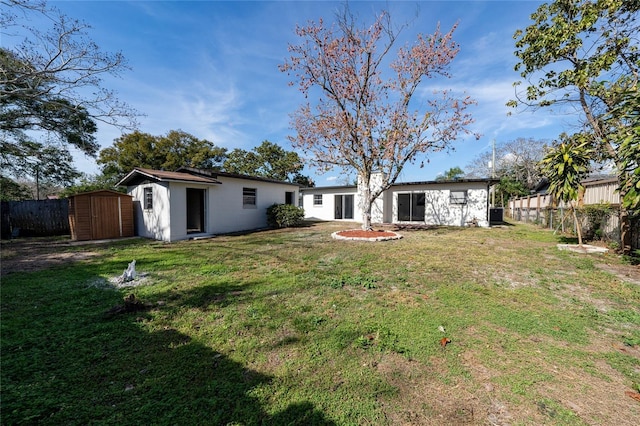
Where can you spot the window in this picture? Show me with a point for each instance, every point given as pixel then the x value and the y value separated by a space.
pixel 249 196
pixel 458 197
pixel 148 198
pixel 317 199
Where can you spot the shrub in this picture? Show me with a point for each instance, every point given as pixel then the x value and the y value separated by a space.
pixel 597 216
pixel 284 215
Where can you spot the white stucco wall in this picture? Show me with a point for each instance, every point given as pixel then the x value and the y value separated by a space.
pixel 226 212
pixel 326 211
pixel 153 223
pixel 438 208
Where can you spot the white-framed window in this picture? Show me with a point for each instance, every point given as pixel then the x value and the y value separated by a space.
pixel 458 197
pixel 148 198
pixel 249 197
pixel 317 199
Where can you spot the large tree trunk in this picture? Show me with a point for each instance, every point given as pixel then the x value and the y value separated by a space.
pixel 625 225
pixel 366 205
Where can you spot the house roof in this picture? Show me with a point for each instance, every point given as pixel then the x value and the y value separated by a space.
pixel 543 186
pixel 140 174
pixel 215 174
pixel 489 181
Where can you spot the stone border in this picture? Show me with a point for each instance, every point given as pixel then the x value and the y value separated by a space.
pixel 585 248
pixel 336 236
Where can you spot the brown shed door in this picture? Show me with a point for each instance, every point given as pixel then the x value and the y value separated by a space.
pixel 105 217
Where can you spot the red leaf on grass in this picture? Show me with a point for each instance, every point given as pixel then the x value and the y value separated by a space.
pixel 634 395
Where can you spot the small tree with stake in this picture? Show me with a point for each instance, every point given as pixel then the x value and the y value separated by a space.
pixel 565 165
pixel 364 120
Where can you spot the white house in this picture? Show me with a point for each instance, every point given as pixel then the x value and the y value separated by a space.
pixel 189 203
pixel 454 203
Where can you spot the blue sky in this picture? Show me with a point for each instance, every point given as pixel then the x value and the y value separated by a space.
pixel 210 68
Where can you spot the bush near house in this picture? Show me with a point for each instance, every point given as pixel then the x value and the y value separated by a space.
pixel 284 215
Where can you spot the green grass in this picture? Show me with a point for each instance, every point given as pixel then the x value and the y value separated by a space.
pixel 292 327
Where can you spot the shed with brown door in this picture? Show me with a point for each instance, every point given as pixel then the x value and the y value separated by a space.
pixel 102 214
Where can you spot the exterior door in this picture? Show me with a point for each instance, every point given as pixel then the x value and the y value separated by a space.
pixel 105 218
pixel 411 207
pixel 344 207
pixel 195 210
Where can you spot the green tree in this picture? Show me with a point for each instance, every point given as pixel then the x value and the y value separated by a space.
pixel 583 55
pixel 565 165
pixel 451 174
pixel 267 160
pixel 47 165
pixel 508 188
pixel 51 79
pixel 170 152
pixel 91 182
pixel 629 150
pixel 13 191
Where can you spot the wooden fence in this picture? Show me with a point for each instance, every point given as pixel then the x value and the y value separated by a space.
pixel 539 209
pixel 35 218
pixel 560 219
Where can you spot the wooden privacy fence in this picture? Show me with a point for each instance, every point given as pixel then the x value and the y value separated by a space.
pixel 35 218
pixel 607 228
pixel 540 209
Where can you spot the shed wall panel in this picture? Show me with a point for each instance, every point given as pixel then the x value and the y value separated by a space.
pixel 100 214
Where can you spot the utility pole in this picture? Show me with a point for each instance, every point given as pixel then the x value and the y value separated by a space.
pixel 493 173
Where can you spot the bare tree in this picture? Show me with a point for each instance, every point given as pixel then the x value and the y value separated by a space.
pixel 367 117
pixel 518 159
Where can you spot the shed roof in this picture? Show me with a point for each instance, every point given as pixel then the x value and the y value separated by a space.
pixel 101 191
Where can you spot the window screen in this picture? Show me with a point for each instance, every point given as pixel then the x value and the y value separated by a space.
pixel 249 196
pixel 148 198
pixel 458 197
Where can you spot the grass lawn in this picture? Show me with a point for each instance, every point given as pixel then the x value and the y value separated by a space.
pixel 291 327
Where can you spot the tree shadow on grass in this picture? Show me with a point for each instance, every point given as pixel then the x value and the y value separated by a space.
pixel 65 362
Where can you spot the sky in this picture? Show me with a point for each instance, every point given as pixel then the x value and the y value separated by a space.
pixel 210 68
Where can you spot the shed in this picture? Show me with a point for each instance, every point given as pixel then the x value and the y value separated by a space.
pixel 100 214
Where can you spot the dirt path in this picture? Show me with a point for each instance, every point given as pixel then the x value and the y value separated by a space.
pixel 35 254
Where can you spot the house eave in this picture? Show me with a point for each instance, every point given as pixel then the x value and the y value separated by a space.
pixel 215 174
pixel 488 181
pixel 156 176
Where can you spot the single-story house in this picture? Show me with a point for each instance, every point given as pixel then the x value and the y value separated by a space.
pixel 190 203
pixel 457 202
